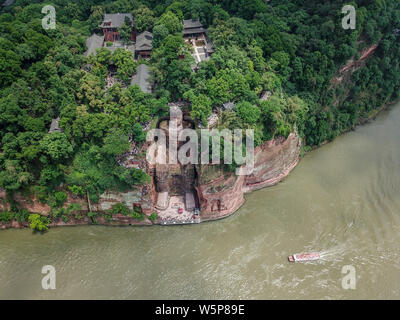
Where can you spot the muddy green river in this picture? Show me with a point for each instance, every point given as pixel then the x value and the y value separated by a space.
pixel 341 200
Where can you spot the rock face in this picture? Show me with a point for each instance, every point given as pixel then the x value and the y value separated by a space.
pixel 220 197
pixel 273 162
pixel 221 193
pixel 32 204
pixel 139 197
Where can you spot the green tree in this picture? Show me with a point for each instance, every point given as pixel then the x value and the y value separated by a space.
pixel 115 143
pixel 96 17
pixel 14 176
pixel 60 197
pixel 201 106
pixel 56 146
pixel 123 59
pixel 248 112
pixel 173 65
pixel 144 19
pixel 160 32
pixel 90 92
pixel 199 9
pixel 39 43
pixel 171 22
pixel 10 67
pixel 139 135
pixel 126 30
pixel 38 223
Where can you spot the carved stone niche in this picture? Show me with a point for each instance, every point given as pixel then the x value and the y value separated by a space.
pixel 215 205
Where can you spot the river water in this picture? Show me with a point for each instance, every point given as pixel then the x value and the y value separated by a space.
pixel 342 200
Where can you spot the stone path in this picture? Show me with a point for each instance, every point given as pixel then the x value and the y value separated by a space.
pixel 199 51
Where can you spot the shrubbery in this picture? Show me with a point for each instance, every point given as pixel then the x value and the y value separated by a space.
pixel 153 217
pixel 60 197
pixel 38 222
pixel 21 215
pixel 77 190
pixel 120 208
pixel 6 217
pixel 137 214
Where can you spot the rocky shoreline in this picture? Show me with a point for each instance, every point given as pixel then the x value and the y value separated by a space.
pixel 221 194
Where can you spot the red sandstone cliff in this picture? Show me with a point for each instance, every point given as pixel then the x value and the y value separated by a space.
pixel 221 193
pixel 32 204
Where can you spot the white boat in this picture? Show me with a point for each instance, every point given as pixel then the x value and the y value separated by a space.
pixel 301 257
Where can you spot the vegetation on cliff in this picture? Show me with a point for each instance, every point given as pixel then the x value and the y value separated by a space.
pixel 292 49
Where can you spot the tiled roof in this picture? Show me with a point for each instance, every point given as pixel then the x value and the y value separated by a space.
pixel 194 30
pixel 116 19
pixel 144 41
pixel 92 43
pixel 131 48
pixel 55 127
pixel 142 78
pixel 192 23
pixel 228 106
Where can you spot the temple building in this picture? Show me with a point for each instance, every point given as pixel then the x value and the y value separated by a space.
pixel 195 34
pixel 112 22
pixel 143 45
pixel 193 28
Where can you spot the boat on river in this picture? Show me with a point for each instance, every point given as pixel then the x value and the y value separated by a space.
pixel 302 257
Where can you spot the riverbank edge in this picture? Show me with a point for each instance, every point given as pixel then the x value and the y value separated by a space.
pixel 121 221
pixel 361 122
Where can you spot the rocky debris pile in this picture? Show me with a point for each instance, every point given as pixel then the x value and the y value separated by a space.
pixel 265 96
pixel 145 191
pixel 129 156
pixel 110 81
pixel 212 120
pixel 146 126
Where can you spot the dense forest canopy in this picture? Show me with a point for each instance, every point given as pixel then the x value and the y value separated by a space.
pixel 290 48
